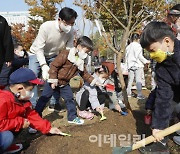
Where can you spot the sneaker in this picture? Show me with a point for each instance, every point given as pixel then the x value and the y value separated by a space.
pixel 14 148
pixel 155 148
pixel 144 88
pixel 77 121
pixel 123 113
pixel 133 88
pixel 32 130
pixel 55 108
pixel 176 139
pixel 178 132
pixel 86 115
pixel 132 95
pixel 51 107
pixel 141 97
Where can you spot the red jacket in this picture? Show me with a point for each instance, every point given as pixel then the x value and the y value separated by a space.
pixel 13 113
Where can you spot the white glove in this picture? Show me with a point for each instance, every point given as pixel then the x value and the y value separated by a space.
pixel 45 74
pixel 54 83
pixel 55 130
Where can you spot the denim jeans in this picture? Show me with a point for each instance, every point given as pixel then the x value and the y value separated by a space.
pixel 6 139
pixel 35 67
pixel 65 92
pixel 55 98
pixel 137 74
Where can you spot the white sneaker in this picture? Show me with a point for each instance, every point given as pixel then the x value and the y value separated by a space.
pixel 141 97
pixel 32 130
pixel 133 88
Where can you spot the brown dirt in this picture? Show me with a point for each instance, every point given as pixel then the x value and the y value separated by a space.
pixel 80 141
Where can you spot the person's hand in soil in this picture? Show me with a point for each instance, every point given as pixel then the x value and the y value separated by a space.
pixel 118 108
pixel 55 130
pixel 26 123
pixel 156 136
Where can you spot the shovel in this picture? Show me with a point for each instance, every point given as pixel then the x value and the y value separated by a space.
pixel 65 134
pixel 145 141
pixel 103 117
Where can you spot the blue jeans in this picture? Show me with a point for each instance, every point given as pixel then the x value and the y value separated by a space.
pixel 137 74
pixel 6 139
pixel 55 98
pixel 35 67
pixel 65 92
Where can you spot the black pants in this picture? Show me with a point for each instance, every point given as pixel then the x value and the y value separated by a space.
pixel 114 75
pixel 1 65
pixel 84 103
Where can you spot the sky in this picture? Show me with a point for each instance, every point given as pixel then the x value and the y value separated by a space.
pixel 20 5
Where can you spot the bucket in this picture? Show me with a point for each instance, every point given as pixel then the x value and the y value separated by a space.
pixel 110 87
pixel 147 119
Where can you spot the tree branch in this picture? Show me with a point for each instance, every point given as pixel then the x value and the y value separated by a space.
pixel 125 9
pixel 135 26
pixel 108 43
pixel 130 12
pixel 112 14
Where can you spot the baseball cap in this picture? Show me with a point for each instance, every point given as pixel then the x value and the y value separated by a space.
pixel 22 75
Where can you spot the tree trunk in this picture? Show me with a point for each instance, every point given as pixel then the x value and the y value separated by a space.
pixel 121 78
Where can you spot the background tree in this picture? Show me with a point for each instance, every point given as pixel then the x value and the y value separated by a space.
pixel 40 11
pixel 101 46
pixel 23 36
pixel 125 16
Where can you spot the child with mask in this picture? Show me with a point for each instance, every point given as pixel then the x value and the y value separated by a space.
pixel 95 96
pixel 159 40
pixel 20 59
pixel 65 66
pixel 16 109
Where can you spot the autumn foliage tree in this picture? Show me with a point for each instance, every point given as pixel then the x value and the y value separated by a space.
pixel 23 36
pixel 40 11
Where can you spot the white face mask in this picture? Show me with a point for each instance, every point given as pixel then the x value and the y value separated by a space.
pixel 28 95
pixel 64 28
pixel 82 54
pixel 20 53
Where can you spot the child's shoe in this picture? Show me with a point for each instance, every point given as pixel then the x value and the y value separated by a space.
pixel 176 139
pixel 141 97
pixel 32 130
pixel 123 113
pixel 77 121
pixel 14 148
pixel 86 115
pixel 155 148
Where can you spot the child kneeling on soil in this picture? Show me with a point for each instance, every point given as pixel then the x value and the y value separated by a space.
pixel 65 66
pixel 16 109
pixel 94 96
